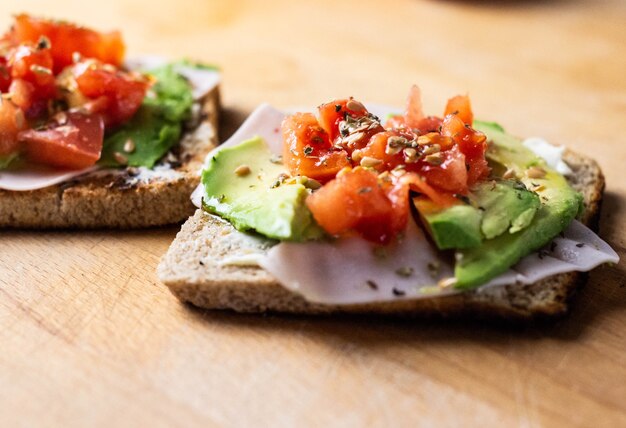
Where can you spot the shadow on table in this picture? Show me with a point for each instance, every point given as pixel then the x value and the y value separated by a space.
pixel 596 301
pixel 512 4
pixel 603 296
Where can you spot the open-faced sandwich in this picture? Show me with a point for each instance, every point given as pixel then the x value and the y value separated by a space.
pixel 89 139
pixel 364 210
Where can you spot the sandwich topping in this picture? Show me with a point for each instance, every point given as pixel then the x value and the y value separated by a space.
pixel 70 104
pixel 416 205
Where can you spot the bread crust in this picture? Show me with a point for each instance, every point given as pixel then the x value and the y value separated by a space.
pixel 120 198
pixel 192 274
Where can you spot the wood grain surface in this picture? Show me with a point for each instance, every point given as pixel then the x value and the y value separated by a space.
pixel 88 337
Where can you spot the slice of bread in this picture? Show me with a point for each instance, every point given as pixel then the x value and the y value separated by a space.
pixel 122 198
pixel 192 271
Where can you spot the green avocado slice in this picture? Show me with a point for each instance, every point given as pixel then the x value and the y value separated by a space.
pixel 507 206
pixel 450 228
pixel 491 209
pixel 559 206
pixel 243 185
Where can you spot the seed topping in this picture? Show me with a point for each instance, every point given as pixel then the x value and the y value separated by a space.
pixel 434 159
pixel 370 162
pixel 410 155
pixel 404 271
pixel 509 174
pixel 242 170
pixel 120 158
pixel 447 282
pixel 535 172
pixel 354 105
pixel 312 184
pixel 430 150
pixel 36 68
pixel 129 146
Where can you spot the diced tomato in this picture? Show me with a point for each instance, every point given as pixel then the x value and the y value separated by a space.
pixel 461 107
pixel 395 122
pixel 414 111
pixel 356 201
pixel 307 149
pixel 11 123
pixel 32 82
pixel 330 114
pixel 66 39
pixel 417 184
pixel 414 117
pixel 72 141
pixel 451 175
pixel 377 149
pixel 398 193
pixel 429 124
pixel 471 143
pixel 117 94
pixel 24 95
pixel 33 64
pixel 5 75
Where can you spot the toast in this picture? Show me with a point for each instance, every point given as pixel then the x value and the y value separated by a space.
pixel 122 198
pixel 192 271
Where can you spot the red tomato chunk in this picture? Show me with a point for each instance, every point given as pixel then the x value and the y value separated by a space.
pixel 73 141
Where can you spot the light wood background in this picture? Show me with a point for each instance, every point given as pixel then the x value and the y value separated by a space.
pixel 88 337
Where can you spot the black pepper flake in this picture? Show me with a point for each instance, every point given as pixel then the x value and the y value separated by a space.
pixel 337 108
pixel 43 43
pixel 364 190
pixel 542 254
pixel 371 284
pixel 308 150
pixel 397 292
pixel 201 263
pixel 580 245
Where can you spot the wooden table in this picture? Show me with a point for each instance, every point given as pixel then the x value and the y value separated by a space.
pixel 90 338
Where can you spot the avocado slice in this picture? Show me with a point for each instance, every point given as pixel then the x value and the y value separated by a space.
pixel 491 209
pixel 559 206
pixel 506 205
pixel 450 228
pixel 245 186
